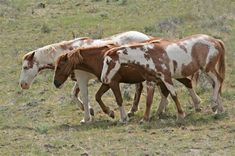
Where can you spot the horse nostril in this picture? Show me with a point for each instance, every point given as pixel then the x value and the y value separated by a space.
pixel 24 85
pixel 57 83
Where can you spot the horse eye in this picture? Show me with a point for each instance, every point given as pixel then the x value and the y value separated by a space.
pixel 108 62
pixel 25 68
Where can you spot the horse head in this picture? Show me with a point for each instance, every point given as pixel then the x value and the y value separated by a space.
pixel 33 63
pixel 65 65
pixel 29 70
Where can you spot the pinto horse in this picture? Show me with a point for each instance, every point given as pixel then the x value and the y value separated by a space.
pixel 45 57
pixel 160 61
pixel 91 60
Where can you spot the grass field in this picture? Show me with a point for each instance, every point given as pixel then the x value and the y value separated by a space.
pixel 44 121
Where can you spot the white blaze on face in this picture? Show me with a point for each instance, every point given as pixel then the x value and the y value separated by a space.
pixel 27 74
pixel 107 73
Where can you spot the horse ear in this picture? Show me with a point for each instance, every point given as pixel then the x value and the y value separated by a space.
pixel 64 57
pixel 29 57
pixel 75 56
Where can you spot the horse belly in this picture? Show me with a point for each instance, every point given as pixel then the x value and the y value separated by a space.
pixel 131 76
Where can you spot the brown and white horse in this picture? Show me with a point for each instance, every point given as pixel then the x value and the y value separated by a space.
pixel 160 61
pixel 91 60
pixel 45 57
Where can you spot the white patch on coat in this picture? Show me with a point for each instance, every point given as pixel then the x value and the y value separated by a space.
pixel 136 56
pixel 129 37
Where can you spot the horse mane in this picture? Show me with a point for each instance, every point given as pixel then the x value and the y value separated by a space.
pixel 113 50
pixel 110 46
pixel 75 56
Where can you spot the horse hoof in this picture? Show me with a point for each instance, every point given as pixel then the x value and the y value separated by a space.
pixel 198 109
pixel 92 112
pixel 124 120
pixel 214 108
pixel 85 121
pixel 181 116
pixel 219 110
pixel 130 114
pixel 160 115
pixel 143 121
pixel 111 114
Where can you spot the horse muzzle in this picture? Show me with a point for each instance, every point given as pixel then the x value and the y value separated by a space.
pixel 57 84
pixel 24 85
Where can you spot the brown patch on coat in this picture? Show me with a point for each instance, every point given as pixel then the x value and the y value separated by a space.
pixel 199 55
pixel 182 47
pixel 47 66
pixel 174 65
pixel 30 58
pixel 125 51
pixel 146 56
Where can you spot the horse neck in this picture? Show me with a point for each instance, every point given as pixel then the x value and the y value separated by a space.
pixel 49 57
pixel 92 61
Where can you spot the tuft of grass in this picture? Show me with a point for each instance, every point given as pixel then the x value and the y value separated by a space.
pixel 42 128
pixel 45 28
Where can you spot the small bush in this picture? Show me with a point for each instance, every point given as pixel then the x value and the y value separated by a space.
pixel 122 2
pixel 42 129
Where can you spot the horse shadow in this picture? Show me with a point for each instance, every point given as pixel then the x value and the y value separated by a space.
pixel 167 121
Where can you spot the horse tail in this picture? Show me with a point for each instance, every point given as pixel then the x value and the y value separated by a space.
pixel 221 63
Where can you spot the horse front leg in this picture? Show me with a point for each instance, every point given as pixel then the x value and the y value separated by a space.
pixel 164 94
pixel 117 93
pixel 196 99
pixel 75 97
pixel 169 85
pixel 83 85
pixel 77 100
pixel 103 88
pixel 135 105
pixel 149 100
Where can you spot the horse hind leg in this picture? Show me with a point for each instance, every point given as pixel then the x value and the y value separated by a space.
pixel 135 105
pixel 196 99
pixel 216 104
